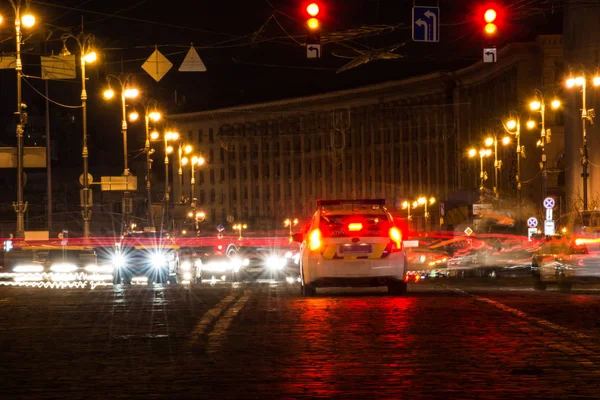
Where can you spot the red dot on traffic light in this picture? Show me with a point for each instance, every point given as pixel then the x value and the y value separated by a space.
pixel 490 15
pixel 312 9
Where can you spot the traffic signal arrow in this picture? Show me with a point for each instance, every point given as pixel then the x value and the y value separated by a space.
pixel 313 51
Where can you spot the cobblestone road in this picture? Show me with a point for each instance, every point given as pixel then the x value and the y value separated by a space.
pixel 263 341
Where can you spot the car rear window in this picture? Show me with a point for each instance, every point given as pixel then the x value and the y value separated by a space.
pixel 344 225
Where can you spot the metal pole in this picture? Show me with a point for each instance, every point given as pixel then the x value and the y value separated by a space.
pixel 125 205
pixel 193 187
pixel 148 178
pixel 519 161
pixel 180 173
pixel 48 161
pixel 166 204
pixel 19 206
pixel 86 213
pixel 496 167
pixel 543 133
pixel 584 158
pixel 481 181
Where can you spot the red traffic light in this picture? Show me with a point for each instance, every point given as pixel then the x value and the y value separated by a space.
pixel 490 15
pixel 312 9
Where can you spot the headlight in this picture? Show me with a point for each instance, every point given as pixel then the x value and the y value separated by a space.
pixel 217 266
pixel 197 263
pixel 186 265
pixel 158 260
pixel 99 269
pixel 63 267
pixel 275 262
pixel 28 268
pixel 118 260
pixel 422 259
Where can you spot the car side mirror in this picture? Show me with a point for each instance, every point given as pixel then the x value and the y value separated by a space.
pixel 297 237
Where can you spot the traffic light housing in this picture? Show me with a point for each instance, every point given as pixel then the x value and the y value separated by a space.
pixel 313 23
pixel 490 16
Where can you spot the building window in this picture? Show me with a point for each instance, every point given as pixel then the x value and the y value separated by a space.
pixel 256 192
pixel 222 175
pixel 213 215
pixel 244 173
pixel 222 197
pixel 222 155
pixel 244 152
pixel 211 135
pixel 233 173
pixel 200 135
pixel 200 177
pixel 212 196
pixel 211 155
pixel 266 170
pixel 234 195
pixel 202 199
pixel 245 192
pixel 267 192
pixel 212 176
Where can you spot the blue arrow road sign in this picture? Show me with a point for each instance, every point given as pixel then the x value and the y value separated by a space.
pixel 220 228
pixel 426 24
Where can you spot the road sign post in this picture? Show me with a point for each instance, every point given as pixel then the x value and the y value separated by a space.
pixel 426 24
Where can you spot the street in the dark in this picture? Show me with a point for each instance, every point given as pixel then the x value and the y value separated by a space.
pixel 265 341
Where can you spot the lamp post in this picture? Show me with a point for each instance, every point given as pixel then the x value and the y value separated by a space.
pixel 424 201
pixel 151 113
pixel 539 104
pixel 27 20
pixel 168 136
pixel 196 160
pixel 497 163
pixel 127 92
pixel 513 127
pixel 198 217
pixel 289 223
pixel 586 115
pixel 187 149
pixel 239 227
pixel 482 174
pixel 85 43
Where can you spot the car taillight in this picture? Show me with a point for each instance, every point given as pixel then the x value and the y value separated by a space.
pixel 355 227
pixel 314 240
pixel 396 237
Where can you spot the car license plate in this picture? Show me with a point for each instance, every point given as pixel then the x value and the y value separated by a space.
pixel 355 249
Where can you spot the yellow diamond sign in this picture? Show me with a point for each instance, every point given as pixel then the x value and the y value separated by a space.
pixel 157 65
pixel 468 231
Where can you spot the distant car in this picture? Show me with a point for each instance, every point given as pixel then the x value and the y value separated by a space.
pixel 564 262
pixel 352 243
pixel 266 263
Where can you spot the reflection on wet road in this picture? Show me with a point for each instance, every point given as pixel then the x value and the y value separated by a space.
pixel 262 340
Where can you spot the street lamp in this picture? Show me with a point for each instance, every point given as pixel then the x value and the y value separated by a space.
pixel 289 223
pixel 539 104
pixel 489 141
pixel 406 206
pixel 87 55
pixel 239 227
pixel 513 127
pixel 187 149
pixel 198 217
pixel 128 91
pixel 151 113
pixel 482 174
pixel 424 201
pixel 199 161
pixel 586 115
pixel 27 20
pixel 168 136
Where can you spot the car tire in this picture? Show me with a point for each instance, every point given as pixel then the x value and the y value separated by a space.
pixel 539 285
pixel 308 290
pixel 397 288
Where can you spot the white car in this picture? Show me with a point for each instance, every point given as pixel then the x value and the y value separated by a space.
pixel 352 243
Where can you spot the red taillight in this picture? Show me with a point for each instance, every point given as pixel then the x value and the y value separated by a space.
pixel 396 237
pixel 355 227
pixel 314 240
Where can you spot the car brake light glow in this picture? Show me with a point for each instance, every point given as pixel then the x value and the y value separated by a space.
pixel 355 227
pixel 314 240
pixel 396 236
pixel 580 241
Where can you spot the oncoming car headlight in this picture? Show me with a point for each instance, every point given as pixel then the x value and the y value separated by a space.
pixel 118 260
pixel 63 267
pixel 158 260
pixel 186 266
pixel 275 262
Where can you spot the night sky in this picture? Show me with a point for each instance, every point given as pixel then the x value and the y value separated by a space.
pixel 249 48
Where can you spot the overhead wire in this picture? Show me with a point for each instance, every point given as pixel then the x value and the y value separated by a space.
pixel 48 98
